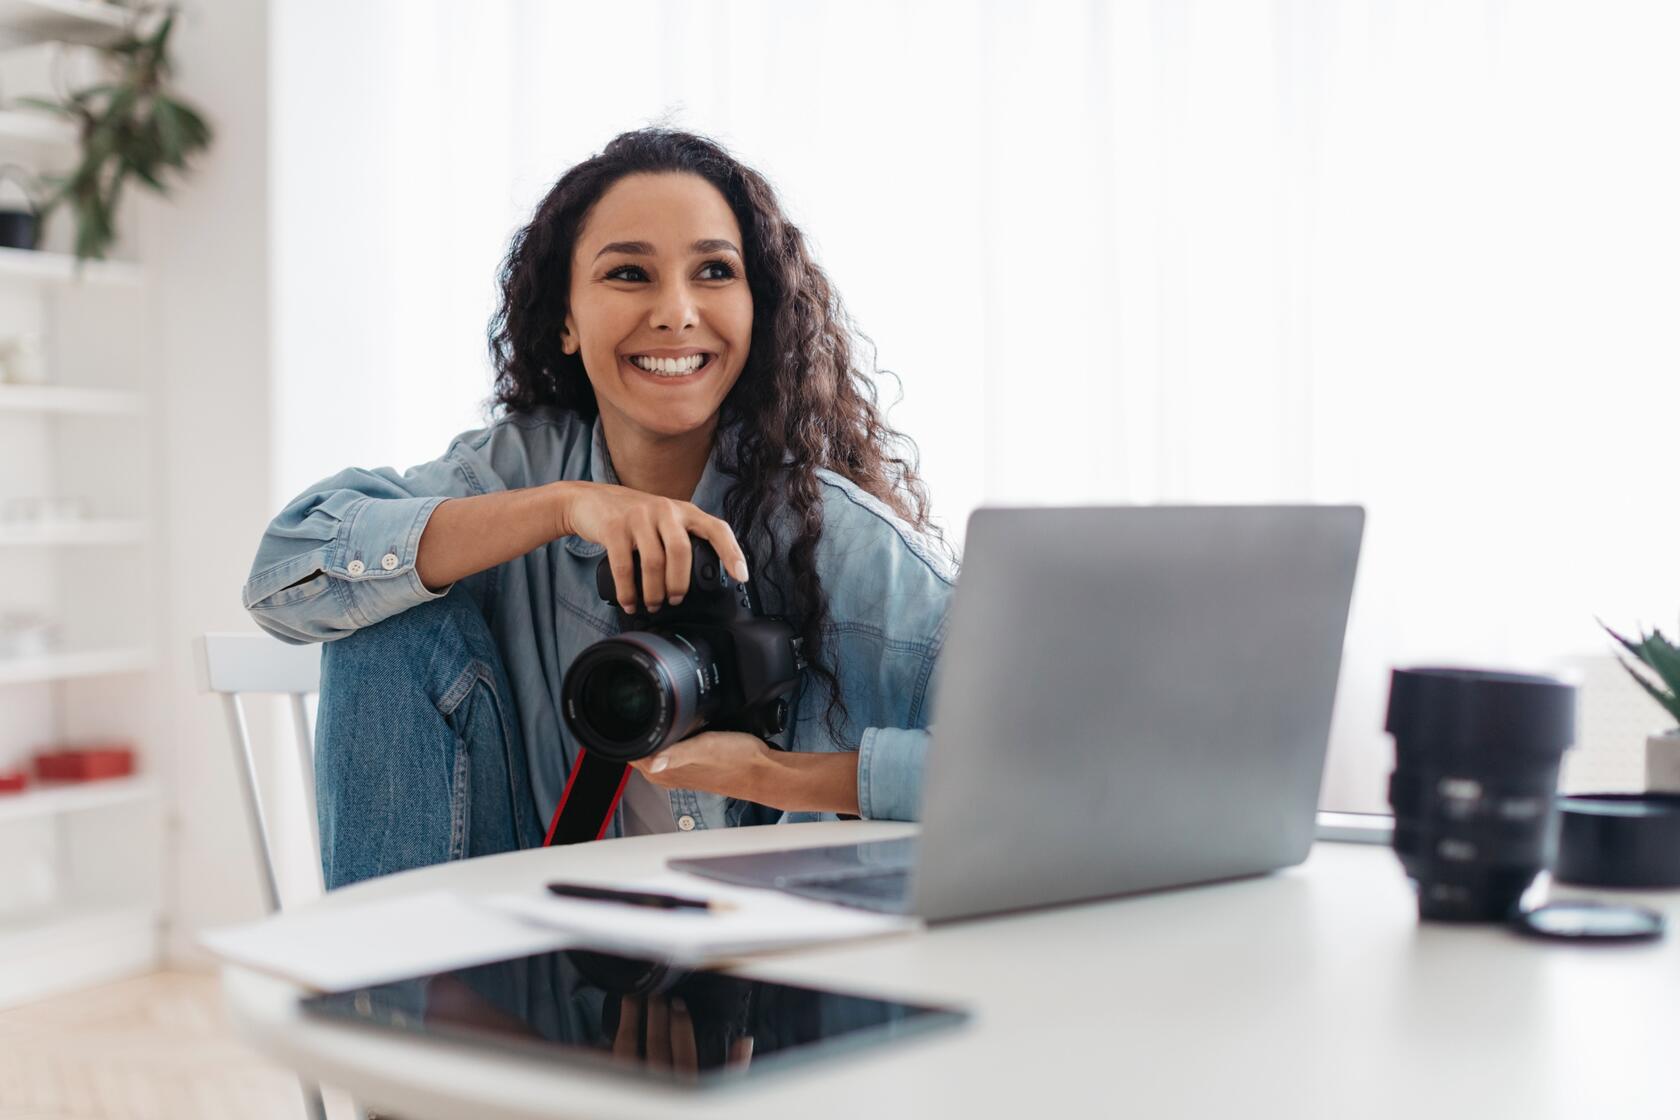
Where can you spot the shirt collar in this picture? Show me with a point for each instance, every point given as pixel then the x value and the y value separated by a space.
pixel 708 494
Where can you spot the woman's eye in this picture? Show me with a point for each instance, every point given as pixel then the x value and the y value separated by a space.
pixel 728 271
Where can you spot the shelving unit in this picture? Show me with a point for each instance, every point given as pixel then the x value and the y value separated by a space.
pixel 50 800
pixel 61 268
pixel 73 946
pixel 91 531
pixel 81 886
pixel 85 22
pixel 69 666
pixel 19 127
pixel 59 398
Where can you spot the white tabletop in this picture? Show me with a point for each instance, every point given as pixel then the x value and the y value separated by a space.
pixel 1310 992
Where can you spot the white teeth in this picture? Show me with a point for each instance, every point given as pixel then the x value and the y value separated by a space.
pixel 670 367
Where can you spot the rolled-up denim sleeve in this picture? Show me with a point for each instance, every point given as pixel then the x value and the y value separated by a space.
pixel 890 759
pixel 890 773
pixel 342 555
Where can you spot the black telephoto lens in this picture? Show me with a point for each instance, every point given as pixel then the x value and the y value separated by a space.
pixel 628 696
pixel 1474 787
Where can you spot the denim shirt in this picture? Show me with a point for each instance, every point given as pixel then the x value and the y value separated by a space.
pixel 357 535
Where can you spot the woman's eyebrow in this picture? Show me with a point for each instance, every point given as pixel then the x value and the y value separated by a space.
pixel 643 249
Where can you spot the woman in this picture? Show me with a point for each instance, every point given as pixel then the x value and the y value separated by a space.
pixel 670 361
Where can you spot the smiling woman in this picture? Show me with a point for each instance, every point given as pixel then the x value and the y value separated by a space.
pixel 671 364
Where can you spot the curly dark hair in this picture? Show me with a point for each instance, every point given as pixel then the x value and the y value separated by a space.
pixel 800 405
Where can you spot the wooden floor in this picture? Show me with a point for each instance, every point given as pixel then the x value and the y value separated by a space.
pixel 156 1047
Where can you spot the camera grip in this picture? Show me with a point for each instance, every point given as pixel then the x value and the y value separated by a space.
pixel 706 572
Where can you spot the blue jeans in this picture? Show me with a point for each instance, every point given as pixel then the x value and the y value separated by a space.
pixel 418 753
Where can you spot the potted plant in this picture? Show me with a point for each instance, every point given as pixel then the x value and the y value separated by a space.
pixel 1660 658
pixel 133 125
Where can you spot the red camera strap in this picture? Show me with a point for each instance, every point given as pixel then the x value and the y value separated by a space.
pixel 589 800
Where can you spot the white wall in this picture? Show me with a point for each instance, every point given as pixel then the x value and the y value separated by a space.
pixel 208 249
pixel 1413 256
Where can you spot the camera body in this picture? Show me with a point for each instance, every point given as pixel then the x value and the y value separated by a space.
pixel 714 661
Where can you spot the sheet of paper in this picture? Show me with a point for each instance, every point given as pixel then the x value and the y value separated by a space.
pixel 762 920
pixel 377 942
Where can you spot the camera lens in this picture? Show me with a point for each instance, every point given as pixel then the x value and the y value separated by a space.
pixel 1477 755
pixel 628 696
pixel 619 700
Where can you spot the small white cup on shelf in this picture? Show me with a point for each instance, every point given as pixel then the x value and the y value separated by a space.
pixel 23 359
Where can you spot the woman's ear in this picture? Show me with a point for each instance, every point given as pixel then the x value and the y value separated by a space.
pixel 568 337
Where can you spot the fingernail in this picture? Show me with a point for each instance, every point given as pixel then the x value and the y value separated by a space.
pixel 653 607
pixel 676 600
pixel 659 764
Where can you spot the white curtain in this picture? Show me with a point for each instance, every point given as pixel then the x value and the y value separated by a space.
pixel 1418 255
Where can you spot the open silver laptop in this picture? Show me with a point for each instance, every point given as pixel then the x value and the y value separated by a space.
pixel 1129 698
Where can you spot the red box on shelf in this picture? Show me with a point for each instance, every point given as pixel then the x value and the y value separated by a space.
pixel 14 781
pixel 85 764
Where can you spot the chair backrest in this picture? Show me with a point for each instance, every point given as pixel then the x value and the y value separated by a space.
pixel 234 665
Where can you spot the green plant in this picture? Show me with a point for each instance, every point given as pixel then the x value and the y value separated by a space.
pixel 131 125
pixel 1660 656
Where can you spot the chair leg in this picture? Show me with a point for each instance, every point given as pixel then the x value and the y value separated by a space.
pixel 316 1106
pixel 312 1102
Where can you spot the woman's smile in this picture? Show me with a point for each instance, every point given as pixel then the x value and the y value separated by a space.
pixel 670 371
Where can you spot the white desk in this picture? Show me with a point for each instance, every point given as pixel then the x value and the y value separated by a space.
pixel 1311 992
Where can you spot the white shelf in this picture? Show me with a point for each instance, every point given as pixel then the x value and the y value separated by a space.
pixel 74 946
pixel 68 21
pixel 67 666
pixel 26 127
pixel 70 797
pixel 62 398
pixel 90 531
pixel 61 268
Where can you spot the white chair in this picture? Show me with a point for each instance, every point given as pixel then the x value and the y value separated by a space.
pixel 234 665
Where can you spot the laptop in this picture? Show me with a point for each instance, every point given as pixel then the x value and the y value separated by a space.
pixel 1129 698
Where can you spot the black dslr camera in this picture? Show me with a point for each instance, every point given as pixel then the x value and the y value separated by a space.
pixel 711 662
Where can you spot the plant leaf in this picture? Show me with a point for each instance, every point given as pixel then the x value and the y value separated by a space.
pixel 196 128
pixel 49 106
pixel 1631 647
pixel 1663 658
pixel 1670 704
pixel 171 134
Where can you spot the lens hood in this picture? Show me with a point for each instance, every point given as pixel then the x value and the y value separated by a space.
pixel 1490 714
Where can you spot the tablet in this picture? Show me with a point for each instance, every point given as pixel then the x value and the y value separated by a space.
pixel 640 1018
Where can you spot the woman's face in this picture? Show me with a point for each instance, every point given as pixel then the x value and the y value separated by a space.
pixel 657 273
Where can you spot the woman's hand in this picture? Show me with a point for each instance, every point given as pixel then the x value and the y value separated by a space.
pixel 669 1038
pixel 745 767
pixel 732 763
pixel 627 521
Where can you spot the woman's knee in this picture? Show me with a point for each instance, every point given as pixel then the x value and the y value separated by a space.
pixel 424 647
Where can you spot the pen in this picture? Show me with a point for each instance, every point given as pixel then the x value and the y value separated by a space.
pixel 637 898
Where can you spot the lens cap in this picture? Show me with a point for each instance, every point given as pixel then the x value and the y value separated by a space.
pixel 1589 921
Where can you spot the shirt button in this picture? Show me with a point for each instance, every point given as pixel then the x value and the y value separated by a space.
pixel 388 562
pixel 686 823
pixel 355 567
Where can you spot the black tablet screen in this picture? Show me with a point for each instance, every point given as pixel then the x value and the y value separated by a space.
pixel 637 1016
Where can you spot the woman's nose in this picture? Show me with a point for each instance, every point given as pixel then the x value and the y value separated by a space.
pixel 675 308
